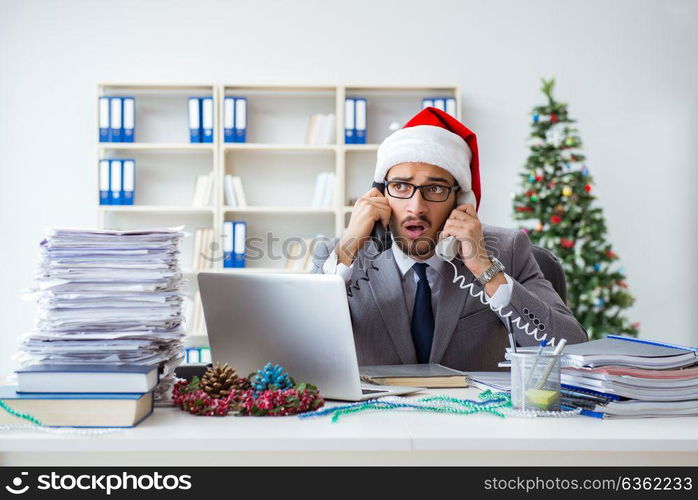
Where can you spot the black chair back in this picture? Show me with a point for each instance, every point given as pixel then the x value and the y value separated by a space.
pixel 552 270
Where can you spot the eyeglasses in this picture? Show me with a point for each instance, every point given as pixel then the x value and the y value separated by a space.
pixel 430 192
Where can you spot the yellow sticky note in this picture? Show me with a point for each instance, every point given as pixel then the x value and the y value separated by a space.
pixel 541 398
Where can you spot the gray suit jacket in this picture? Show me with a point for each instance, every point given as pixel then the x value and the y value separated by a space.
pixel 468 335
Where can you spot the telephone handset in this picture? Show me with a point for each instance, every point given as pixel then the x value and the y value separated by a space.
pixel 447 248
pixel 382 239
pixel 380 234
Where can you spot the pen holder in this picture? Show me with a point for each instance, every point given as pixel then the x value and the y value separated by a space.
pixel 535 381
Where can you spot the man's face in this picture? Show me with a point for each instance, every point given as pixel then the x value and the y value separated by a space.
pixel 416 222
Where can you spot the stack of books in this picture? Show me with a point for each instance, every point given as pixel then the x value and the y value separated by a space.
pixel 321 129
pixel 81 395
pixel 234 194
pixel 323 196
pixel 203 255
pixel 194 314
pixel 626 377
pixel 300 254
pixel 108 298
pixel 203 191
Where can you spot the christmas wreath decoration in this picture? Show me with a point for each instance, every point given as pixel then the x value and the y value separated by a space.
pixel 270 391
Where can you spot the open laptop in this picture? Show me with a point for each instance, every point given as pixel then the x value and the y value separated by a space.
pixel 300 321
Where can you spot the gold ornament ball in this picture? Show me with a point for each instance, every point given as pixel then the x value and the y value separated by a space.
pixel 567 191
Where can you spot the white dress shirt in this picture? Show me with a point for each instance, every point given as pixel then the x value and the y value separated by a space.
pixel 436 272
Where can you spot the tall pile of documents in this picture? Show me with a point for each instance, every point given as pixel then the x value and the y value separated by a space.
pixel 625 377
pixel 109 297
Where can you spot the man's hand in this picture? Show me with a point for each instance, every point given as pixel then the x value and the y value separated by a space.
pixel 464 225
pixel 368 210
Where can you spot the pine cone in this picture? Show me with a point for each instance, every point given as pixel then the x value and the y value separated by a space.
pixel 219 381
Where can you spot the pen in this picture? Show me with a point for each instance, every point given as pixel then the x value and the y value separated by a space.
pixel 586 413
pixel 558 349
pixel 589 405
pixel 511 335
pixel 587 397
pixel 535 362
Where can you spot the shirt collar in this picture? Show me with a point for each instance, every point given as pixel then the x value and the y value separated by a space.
pixel 405 262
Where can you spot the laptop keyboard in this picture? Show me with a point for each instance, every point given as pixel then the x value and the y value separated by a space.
pixel 370 391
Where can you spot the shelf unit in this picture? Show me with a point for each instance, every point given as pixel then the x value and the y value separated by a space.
pixel 276 167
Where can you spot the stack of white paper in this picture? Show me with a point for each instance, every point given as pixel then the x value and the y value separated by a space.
pixel 109 297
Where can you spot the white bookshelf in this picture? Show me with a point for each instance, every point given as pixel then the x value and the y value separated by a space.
pixel 275 165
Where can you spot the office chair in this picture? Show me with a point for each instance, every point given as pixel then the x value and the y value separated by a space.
pixel 552 270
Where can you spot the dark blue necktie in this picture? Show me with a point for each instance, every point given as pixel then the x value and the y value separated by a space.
pixel 422 316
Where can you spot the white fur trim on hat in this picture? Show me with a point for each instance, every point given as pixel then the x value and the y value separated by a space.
pixel 428 144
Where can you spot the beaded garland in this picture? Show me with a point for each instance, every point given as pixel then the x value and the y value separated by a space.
pixel 495 403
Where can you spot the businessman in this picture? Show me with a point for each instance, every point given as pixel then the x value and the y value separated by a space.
pixel 405 304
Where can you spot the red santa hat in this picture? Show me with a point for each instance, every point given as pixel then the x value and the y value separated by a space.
pixel 435 137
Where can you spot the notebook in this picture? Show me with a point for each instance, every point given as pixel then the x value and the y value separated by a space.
pixel 498 381
pixel 613 351
pixel 428 375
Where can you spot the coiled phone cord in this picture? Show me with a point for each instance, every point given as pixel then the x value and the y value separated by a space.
pixel 460 281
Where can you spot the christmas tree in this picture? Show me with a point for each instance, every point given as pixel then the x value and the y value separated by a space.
pixel 557 203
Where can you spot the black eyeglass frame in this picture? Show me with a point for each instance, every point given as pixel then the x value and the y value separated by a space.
pixel 416 188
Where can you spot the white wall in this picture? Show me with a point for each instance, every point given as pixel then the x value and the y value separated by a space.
pixel 627 68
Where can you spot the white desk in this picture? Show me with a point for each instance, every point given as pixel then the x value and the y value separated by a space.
pixel 172 437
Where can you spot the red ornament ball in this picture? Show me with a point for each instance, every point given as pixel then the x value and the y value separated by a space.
pixel 553 118
pixel 555 219
pixel 538 178
pixel 611 254
pixel 565 243
pixel 587 188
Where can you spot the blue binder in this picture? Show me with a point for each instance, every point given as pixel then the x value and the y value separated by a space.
pixel 128 181
pixel 240 119
pixel 451 106
pixel 427 103
pixel 115 121
pixel 128 119
pixel 239 238
pixel 228 229
pixel 229 119
pixel 440 103
pixel 207 119
pixel 360 118
pixel 103 105
pixel 194 119
pixel 104 194
pixel 349 120
pixel 115 181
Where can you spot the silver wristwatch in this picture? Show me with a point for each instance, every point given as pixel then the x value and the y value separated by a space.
pixel 491 271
